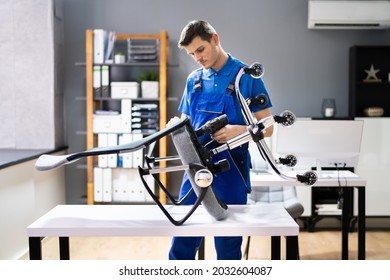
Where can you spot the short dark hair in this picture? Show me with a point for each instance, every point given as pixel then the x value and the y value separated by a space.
pixel 195 28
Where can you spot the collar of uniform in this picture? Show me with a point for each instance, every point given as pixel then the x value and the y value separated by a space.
pixel 224 71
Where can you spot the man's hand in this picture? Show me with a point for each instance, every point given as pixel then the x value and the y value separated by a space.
pixel 228 132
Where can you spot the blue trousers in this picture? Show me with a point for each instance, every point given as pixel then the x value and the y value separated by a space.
pixel 232 190
pixel 185 248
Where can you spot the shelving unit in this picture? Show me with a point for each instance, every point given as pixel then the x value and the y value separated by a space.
pixel 364 94
pixel 373 163
pixel 92 104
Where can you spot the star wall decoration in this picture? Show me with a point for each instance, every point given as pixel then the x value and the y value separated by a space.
pixel 371 75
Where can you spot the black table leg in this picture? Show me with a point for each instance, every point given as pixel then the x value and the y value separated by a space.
pixel 361 223
pixel 292 247
pixel 345 220
pixel 64 248
pixel 35 248
pixel 275 247
pixel 201 250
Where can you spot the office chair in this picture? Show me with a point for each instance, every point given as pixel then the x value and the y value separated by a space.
pixel 196 159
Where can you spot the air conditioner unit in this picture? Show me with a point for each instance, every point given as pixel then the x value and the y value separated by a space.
pixel 333 14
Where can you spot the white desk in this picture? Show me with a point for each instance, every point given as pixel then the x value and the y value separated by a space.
pixel 65 221
pixel 343 179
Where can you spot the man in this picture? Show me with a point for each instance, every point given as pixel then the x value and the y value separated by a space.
pixel 208 94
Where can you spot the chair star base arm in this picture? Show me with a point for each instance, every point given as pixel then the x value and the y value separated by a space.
pixel 309 178
pixel 287 118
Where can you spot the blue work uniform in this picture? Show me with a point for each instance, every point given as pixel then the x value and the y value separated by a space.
pixel 207 95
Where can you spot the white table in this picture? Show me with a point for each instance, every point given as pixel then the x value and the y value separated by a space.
pixel 65 221
pixel 343 179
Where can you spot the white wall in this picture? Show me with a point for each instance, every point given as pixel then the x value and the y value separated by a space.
pixel 25 195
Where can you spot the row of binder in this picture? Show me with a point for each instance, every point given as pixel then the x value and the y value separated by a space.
pixel 103 45
pixel 104 88
pixel 101 81
pixel 124 160
pixel 119 185
pixel 137 49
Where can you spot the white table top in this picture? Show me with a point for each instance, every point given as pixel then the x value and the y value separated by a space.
pixel 148 220
pixel 327 178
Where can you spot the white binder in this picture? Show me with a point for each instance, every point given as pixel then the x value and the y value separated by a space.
pixel 139 154
pixel 107 184
pixel 126 115
pixel 97 81
pixel 99 41
pixel 102 142
pixel 137 190
pixel 112 159
pixel 120 186
pixel 126 159
pixel 98 184
pixel 105 81
pixel 151 183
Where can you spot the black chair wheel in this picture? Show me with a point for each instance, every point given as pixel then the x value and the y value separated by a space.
pixel 311 178
pixel 289 118
pixel 292 160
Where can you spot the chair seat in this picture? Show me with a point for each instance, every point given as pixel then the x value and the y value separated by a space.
pixel 283 195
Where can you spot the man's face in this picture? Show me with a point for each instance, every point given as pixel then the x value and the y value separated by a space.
pixel 203 52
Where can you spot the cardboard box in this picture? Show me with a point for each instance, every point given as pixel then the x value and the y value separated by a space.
pixel 107 123
pixel 124 90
